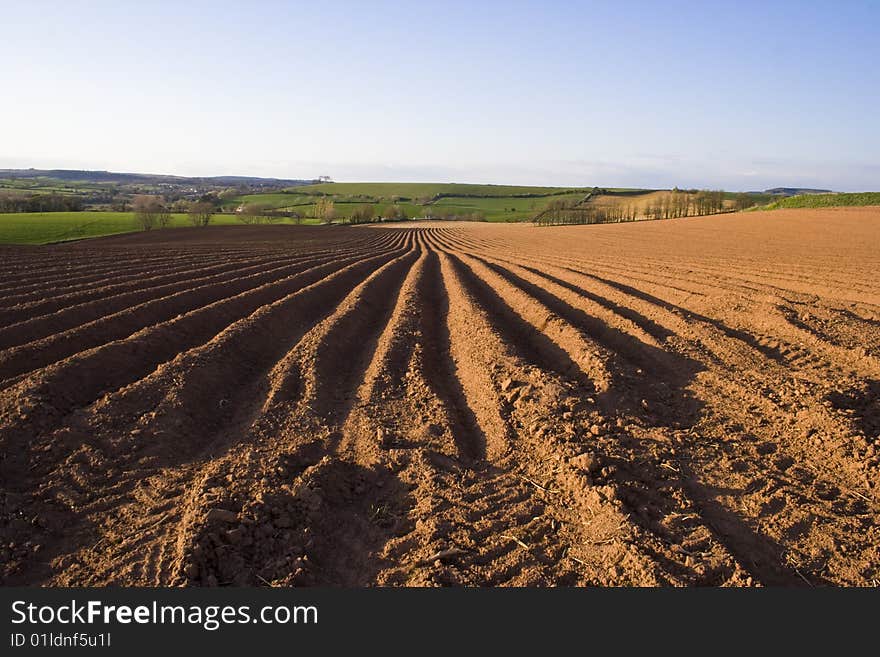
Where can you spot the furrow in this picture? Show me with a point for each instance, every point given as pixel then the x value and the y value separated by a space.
pixel 77 316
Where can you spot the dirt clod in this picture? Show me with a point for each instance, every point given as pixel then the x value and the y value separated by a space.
pixel 222 515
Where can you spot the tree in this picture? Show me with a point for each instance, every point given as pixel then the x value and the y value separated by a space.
pixel 180 206
pixel 164 216
pixel 744 201
pixel 200 213
pixel 325 210
pixel 394 213
pixel 252 213
pixel 149 211
pixel 362 214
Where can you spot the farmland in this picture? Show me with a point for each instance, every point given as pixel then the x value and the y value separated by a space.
pixel 427 190
pixel 48 227
pixel 297 204
pixel 681 402
pixel 490 202
pixel 827 200
pixel 493 203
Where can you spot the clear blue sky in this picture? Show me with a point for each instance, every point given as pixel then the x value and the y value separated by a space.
pixel 740 95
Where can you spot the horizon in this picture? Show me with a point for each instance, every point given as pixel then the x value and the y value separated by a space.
pixel 314 179
pixel 743 98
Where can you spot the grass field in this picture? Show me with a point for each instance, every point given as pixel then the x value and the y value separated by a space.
pixel 423 190
pixel 496 208
pixel 826 200
pixel 46 227
pixel 505 208
pixel 270 199
pixel 494 202
pixel 46 186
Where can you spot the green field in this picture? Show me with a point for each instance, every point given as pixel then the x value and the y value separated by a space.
pixel 498 203
pixel 825 200
pixel 46 186
pixel 492 202
pixel 424 190
pixel 47 227
pixel 274 200
pixel 345 208
pixel 502 208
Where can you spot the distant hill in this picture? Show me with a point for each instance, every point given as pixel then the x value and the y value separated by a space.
pixel 825 200
pixel 793 191
pixel 76 175
pixel 410 191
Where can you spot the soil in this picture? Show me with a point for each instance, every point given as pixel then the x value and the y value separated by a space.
pixel 681 402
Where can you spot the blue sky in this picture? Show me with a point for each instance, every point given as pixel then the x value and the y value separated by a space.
pixel 740 95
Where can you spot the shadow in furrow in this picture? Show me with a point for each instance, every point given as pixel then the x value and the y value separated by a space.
pixel 861 402
pixel 348 346
pixel 650 327
pixel 439 368
pixel 185 397
pixel 104 294
pixel 759 554
pixel 627 346
pixel 38 352
pixel 735 334
pixel 529 344
pixel 189 382
pixel 326 528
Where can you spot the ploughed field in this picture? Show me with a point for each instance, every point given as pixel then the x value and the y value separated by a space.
pixel 683 402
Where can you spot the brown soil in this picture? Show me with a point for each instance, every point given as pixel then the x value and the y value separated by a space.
pixel 688 402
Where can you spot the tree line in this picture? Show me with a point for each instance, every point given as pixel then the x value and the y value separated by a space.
pixel 11 202
pixel 151 211
pixel 155 211
pixel 676 204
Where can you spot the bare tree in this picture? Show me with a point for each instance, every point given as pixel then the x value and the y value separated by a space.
pixel 394 213
pixel 149 211
pixel 744 201
pixel 252 213
pixel 362 214
pixel 180 206
pixel 200 213
pixel 164 216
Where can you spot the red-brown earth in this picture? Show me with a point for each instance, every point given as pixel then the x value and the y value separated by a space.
pixel 685 402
